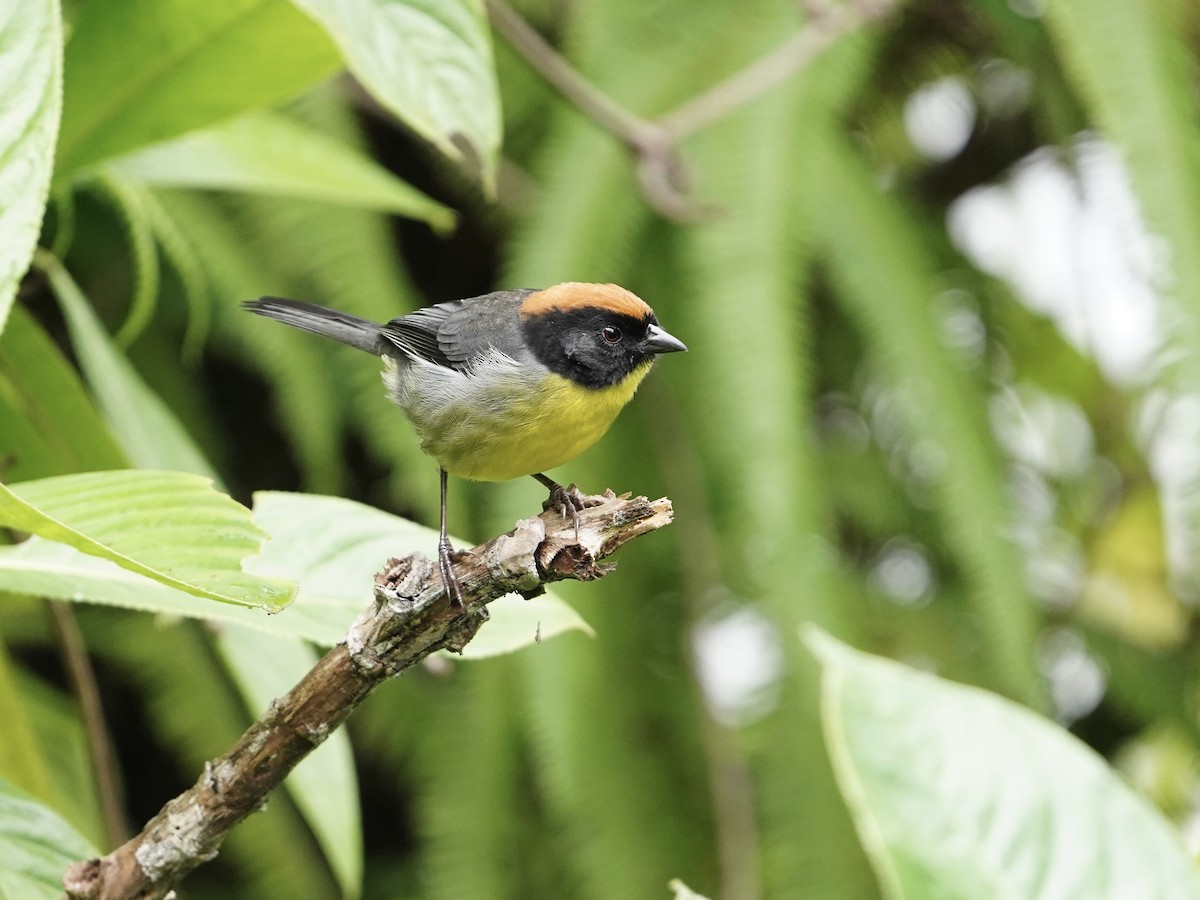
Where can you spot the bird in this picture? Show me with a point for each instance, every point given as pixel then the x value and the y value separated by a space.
pixel 506 384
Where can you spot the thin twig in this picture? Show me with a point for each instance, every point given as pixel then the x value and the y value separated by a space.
pixel 661 170
pixel 814 9
pixel 765 73
pixel 91 709
pixel 629 128
pixel 410 618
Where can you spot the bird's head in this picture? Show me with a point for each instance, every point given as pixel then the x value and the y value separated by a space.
pixel 595 334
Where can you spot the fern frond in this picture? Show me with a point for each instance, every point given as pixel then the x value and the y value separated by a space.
pixel 892 299
pixel 1136 74
pixel 746 290
pixel 298 368
pixel 183 258
pixel 125 200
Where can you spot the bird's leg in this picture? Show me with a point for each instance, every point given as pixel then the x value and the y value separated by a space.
pixel 445 550
pixel 567 498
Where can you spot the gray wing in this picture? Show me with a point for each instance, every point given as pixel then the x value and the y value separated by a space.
pixel 456 333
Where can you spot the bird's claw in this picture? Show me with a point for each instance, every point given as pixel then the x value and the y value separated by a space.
pixel 571 500
pixel 445 562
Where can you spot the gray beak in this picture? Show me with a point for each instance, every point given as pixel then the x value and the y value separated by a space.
pixel 660 341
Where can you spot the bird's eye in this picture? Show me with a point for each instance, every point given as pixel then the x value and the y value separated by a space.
pixel 610 334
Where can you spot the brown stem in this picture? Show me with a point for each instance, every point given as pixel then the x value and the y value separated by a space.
pixel 629 128
pixel 788 59
pixel 661 169
pixel 91 710
pixel 409 619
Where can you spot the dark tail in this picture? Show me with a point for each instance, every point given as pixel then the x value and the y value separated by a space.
pixel 340 326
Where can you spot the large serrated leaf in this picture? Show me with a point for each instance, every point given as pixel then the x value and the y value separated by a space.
pixel 36 846
pixel 963 795
pixel 429 62
pixel 141 71
pixel 171 527
pixel 333 547
pixel 31 72
pixel 268 153
pixel 42 568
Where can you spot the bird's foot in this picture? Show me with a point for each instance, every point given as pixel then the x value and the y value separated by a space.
pixel 570 501
pixel 446 555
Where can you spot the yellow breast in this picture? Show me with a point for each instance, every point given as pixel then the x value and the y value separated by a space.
pixel 542 429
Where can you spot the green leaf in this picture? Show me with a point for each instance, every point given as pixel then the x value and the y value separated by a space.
pixel 682 891
pixel 332 546
pixel 196 62
pixel 31 71
pixel 430 63
pixel 958 793
pixel 36 846
pixel 230 252
pixel 50 424
pixel 148 431
pixel 21 758
pixel 169 526
pixel 128 203
pixel 42 568
pixel 335 547
pixel 268 153
pixel 323 785
pixel 63 740
pixel 516 622
pixel 178 251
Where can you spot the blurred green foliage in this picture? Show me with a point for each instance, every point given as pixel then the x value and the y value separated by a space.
pixel 888 423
